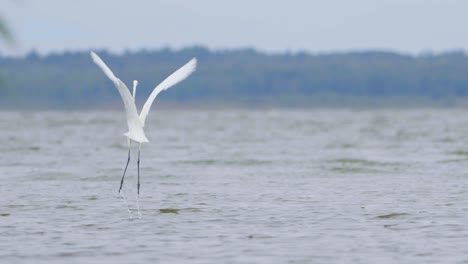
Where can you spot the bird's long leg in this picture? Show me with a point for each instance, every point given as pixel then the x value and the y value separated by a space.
pixel 138 184
pixel 128 160
pixel 138 164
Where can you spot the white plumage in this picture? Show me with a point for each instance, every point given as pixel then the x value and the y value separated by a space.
pixel 137 122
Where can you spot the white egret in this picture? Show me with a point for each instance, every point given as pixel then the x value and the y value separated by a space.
pixel 136 122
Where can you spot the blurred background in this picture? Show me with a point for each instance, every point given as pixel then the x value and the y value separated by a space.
pixel 312 132
pixel 251 53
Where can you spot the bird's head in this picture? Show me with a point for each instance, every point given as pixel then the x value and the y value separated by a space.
pixel 135 83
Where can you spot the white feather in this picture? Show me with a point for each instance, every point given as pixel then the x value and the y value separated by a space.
pixel 170 81
pixel 135 127
pixel 135 122
pixel 103 66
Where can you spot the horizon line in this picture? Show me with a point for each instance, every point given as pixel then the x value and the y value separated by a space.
pixel 35 52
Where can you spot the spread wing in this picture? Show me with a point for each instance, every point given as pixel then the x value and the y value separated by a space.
pixel 127 98
pixel 170 81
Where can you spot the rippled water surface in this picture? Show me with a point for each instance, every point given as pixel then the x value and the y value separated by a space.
pixel 267 186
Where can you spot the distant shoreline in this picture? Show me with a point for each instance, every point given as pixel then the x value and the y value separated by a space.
pixel 240 78
pixel 294 102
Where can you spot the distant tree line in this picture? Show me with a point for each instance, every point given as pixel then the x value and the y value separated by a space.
pixel 7 37
pixel 246 76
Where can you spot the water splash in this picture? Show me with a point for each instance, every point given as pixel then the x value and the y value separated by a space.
pixel 126 204
pixel 138 206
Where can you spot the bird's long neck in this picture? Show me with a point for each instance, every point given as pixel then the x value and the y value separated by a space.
pixel 135 83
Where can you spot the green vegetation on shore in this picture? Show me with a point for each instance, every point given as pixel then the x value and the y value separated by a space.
pixel 244 76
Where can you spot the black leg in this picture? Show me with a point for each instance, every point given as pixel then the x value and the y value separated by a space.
pixel 128 161
pixel 138 163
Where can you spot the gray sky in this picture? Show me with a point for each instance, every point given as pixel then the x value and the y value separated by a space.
pixel 410 26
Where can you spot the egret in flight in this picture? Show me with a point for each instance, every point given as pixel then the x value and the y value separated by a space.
pixel 136 122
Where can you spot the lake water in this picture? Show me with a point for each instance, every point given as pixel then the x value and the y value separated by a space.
pixel 234 186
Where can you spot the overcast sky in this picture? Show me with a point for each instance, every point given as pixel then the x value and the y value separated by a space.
pixel 410 26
